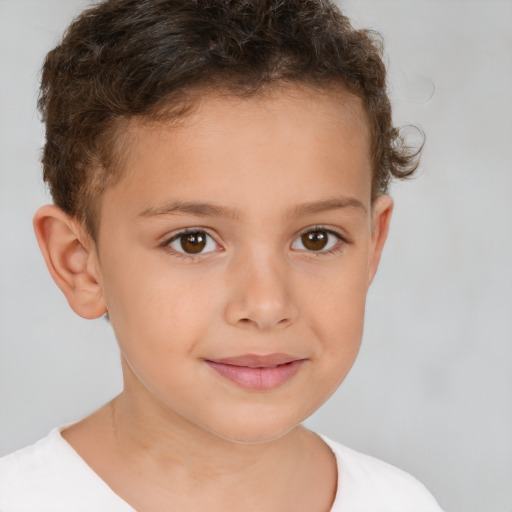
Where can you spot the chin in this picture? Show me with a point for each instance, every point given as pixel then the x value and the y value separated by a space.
pixel 256 430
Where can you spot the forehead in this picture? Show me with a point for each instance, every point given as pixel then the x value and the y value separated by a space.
pixel 293 141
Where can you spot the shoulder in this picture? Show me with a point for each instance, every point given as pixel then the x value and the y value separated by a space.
pixel 49 476
pixel 25 469
pixel 366 483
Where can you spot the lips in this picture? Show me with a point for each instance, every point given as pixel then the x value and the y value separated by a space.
pixel 257 373
pixel 254 361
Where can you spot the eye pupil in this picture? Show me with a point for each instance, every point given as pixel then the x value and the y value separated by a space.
pixel 315 240
pixel 193 243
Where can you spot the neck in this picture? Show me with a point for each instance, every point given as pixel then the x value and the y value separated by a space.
pixel 174 443
pixel 151 456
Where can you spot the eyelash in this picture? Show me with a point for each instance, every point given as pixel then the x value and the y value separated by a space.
pixel 342 242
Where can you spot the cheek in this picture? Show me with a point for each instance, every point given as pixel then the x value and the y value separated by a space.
pixel 338 315
pixel 339 326
pixel 154 310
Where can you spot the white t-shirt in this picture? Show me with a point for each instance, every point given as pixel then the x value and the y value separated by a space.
pixel 49 476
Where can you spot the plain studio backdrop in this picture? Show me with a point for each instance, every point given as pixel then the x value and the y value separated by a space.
pixel 431 391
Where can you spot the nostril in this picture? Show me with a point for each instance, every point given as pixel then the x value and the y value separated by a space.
pixel 245 322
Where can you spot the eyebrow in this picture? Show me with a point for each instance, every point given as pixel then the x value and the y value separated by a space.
pixel 201 209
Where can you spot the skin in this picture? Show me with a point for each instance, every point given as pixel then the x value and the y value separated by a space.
pixel 256 289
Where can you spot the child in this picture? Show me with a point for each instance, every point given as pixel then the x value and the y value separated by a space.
pixel 219 171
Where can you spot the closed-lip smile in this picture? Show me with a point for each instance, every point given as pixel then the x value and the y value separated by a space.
pixel 257 372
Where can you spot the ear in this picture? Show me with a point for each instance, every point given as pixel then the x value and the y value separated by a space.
pixel 70 255
pixel 381 217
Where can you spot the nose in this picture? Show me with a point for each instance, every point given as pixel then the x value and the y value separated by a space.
pixel 260 294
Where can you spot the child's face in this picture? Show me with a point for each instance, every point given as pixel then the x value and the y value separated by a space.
pixel 251 284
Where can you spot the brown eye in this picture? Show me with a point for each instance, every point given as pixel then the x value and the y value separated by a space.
pixel 192 242
pixel 317 240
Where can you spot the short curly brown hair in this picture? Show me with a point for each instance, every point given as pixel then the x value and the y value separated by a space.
pixel 126 58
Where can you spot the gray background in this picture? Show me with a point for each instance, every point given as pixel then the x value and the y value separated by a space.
pixel 432 389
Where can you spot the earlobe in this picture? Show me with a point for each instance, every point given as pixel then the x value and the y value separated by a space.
pixel 71 259
pixel 381 218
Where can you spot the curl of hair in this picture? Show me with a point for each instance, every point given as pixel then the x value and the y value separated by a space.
pixel 126 58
